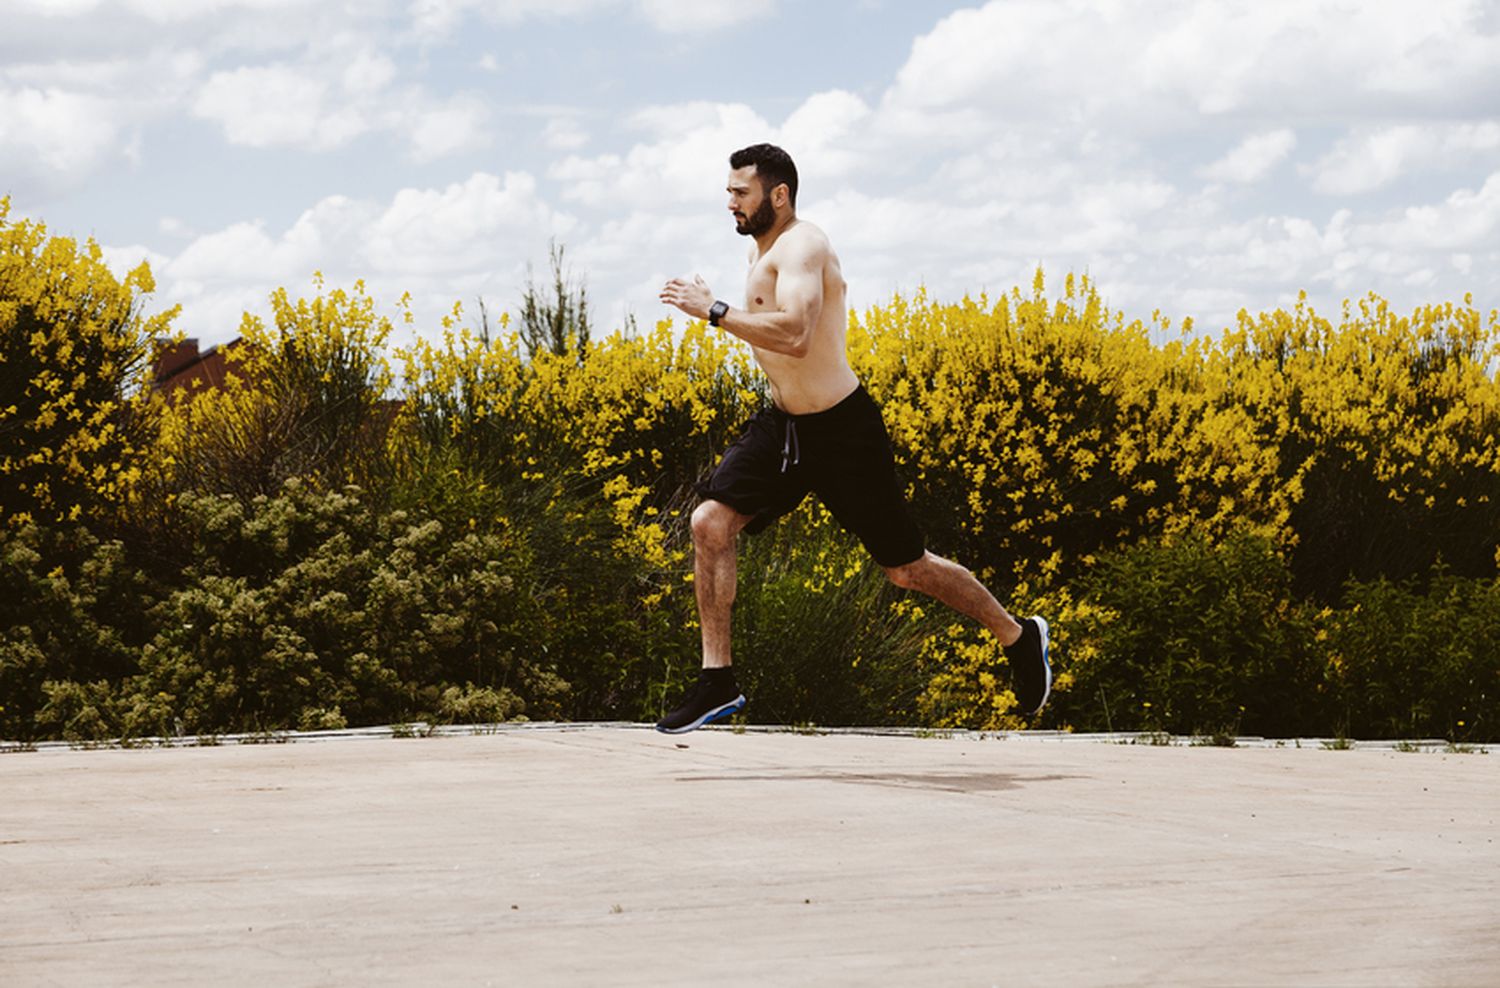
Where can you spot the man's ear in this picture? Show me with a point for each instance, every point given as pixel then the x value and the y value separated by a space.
pixel 781 196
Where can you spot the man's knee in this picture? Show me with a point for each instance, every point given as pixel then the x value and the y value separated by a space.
pixel 716 524
pixel 910 576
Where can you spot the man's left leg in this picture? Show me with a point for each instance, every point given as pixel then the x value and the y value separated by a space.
pixel 959 589
pixel 1025 642
pixel 856 479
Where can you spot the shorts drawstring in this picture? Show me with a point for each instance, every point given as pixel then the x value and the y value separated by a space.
pixel 791 449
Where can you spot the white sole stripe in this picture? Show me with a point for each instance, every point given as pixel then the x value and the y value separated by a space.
pixel 1041 624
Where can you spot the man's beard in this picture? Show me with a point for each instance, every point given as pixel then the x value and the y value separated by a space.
pixel 758 222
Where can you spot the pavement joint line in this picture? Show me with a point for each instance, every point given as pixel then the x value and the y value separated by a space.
pixel 422 729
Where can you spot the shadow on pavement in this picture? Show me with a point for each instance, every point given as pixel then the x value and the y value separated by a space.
pixel 936 781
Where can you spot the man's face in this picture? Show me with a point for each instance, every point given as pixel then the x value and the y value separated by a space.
pixel 751 206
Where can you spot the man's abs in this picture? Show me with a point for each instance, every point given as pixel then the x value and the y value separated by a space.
pixel 814 383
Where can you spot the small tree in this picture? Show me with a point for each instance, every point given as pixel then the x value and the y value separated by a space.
pixel 555 318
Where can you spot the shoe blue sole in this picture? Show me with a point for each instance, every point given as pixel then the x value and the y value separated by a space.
pixel 717 713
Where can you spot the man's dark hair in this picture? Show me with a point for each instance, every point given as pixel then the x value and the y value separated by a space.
pixel 773 167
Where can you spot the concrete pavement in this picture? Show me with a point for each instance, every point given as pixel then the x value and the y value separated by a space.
pixel 613 855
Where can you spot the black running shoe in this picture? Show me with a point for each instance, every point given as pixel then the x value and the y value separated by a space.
pixel 713 697
pixel 1031 673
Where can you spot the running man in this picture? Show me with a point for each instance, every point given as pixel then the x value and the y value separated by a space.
pixel 823 434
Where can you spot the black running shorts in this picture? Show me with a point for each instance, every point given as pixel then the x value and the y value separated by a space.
pixel 843 455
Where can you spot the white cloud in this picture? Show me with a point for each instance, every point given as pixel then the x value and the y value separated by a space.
pixel 1465 220
pixel 167 11
pixel 54 131
pixel 1253 158
pixel 123 259
pixel 58 8
pixel 433 231
pixel 564 134
pixel 684 156
pixel 153 75
pixel 63 120
pixel 294 106
pixel 1367 161
pixel 1371 158
pixel 270 105
pixel 435 19
pixel 437 130
pixel 1069 61
pixel 825 133
pixel 368 74
pixel 683 161
pixel 692 16
pixel 441 244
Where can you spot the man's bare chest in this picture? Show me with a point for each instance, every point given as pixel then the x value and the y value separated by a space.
pixel 760 287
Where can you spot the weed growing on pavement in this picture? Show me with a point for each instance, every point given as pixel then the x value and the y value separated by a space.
pixel 266 737
pixel 927 732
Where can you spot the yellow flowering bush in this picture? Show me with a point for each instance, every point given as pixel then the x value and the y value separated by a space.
pixel 1042 435
pixel 1385 431
pixel 303 397
pixel 1036 432
pixel 1226 533
pixel 74 354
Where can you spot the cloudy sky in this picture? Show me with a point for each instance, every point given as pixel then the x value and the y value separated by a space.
pixel 1193 157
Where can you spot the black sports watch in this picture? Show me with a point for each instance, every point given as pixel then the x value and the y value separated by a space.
pixel 717 312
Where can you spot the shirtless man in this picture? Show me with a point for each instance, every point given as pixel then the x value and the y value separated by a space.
pixel 823 434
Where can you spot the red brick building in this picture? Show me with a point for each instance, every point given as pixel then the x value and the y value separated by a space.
pixel 181 365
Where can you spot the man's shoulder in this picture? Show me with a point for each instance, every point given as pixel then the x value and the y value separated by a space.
pixel 809 233
pixel 803 239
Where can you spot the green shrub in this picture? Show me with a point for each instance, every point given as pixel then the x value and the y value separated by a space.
pixel 1413 662
pixel 1191 636
pixel 322 719
pixel 470 704
pixel 70 610
pixel 309 601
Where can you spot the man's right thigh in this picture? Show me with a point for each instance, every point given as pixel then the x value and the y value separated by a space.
pixel 750 481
